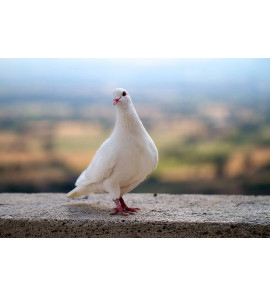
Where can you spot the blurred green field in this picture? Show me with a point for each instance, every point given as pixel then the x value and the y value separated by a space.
pixel 196 155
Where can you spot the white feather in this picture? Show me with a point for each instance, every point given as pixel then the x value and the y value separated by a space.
pixel 124 160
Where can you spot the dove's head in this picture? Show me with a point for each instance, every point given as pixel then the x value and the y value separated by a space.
pixel 121 97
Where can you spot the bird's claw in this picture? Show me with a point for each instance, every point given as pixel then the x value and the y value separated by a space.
pixel 122 211
pixel 122 208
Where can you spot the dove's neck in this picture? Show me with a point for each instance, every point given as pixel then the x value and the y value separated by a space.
pixel 128 120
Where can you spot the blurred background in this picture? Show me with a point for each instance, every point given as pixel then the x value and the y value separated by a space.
pixel 210 120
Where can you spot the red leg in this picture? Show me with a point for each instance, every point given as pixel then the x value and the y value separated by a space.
pixel 119 209
pixel 125 207
pixel 122 208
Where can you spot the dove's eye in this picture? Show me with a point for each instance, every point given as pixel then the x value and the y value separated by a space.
pixel 124 93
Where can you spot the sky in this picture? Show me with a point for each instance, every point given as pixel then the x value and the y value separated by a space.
pixel 144 78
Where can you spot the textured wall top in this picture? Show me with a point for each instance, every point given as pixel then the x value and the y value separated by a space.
pixel 54 215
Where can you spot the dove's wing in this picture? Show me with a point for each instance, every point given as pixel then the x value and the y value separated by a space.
pixel 101 166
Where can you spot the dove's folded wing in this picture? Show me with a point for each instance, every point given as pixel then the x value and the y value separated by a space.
pixel 100 168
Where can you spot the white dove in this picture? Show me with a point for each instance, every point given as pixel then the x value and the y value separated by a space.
pixel 123 161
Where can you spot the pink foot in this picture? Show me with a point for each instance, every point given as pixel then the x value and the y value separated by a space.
pixel 122 208
pixel 119 209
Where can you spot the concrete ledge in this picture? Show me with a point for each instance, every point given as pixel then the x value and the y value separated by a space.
pixel 54 215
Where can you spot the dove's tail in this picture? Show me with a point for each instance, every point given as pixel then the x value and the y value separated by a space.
pixel 78 191
pixel 73 193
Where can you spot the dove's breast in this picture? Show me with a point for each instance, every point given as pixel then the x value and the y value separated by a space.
pixel 137 159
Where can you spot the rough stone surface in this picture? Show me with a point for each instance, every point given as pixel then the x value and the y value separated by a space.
pixel 54 215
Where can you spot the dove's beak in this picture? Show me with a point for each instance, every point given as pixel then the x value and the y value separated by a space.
pixel 116 100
